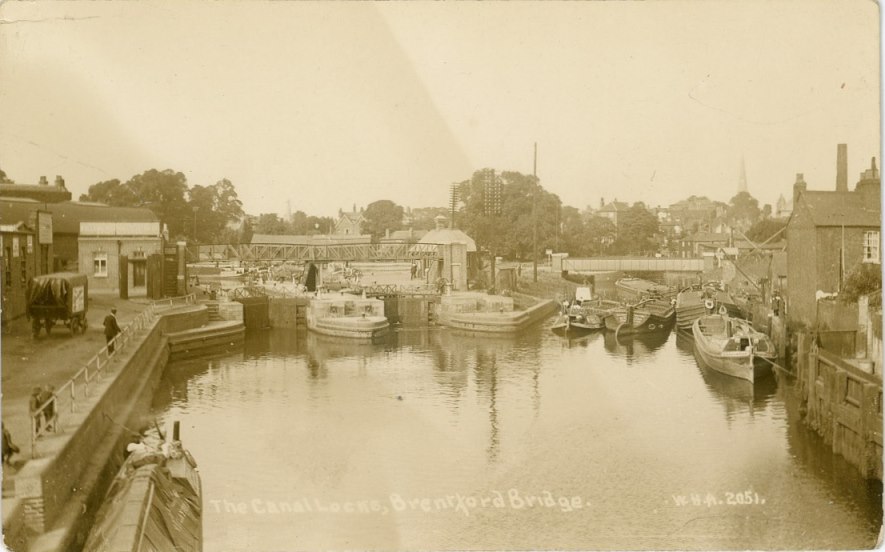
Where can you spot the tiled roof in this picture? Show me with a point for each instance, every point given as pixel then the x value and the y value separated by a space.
pixel 67 215
pixel 448 235
pixel 829 208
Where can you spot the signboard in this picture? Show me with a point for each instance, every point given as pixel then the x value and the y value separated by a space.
pixel 549 252
pixel 30 240
pixel 44 228
pixel 15 246
pixel 78 300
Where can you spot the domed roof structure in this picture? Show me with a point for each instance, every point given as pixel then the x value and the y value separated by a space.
pixel 443 235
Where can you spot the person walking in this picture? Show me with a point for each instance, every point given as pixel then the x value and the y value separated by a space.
pixel 111 329
pixel 35 403
pixel 9 447
pixel 47 397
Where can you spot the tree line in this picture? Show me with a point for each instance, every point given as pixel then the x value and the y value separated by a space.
pixel 508 213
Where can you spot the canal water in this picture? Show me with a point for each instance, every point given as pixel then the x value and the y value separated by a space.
pixel 435 440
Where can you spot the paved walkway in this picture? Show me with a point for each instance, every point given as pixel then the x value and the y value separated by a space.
pixel 53 359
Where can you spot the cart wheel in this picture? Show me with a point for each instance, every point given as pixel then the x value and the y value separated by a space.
pixel 75 326
pixel 35 327
pixel 48 325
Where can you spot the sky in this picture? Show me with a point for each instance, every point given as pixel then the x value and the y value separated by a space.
pixel 320 106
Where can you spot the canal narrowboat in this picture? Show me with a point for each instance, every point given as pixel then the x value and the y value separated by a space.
pixel 155 502
pixel 634 290
pixel 651 315
pixel 696 301
pixel 577 322
pixel 733 347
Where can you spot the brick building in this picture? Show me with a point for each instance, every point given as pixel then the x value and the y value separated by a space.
pixel 66 219
pixel 829 234
pixel 102 246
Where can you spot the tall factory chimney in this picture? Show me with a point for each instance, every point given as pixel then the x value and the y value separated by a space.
pixel 842 167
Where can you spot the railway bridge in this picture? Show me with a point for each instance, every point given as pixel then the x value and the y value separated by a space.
pixel 628 264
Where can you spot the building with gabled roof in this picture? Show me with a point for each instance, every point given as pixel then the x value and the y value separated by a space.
pixel 829 234
pixel 66 219
pixel 612 210
pixel 349 223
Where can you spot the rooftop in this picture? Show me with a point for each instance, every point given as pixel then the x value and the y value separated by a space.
pixel 829 208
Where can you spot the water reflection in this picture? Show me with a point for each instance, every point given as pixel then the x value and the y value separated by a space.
pixel 624 424
pixel 635 346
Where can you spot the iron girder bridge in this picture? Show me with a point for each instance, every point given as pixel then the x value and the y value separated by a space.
pixel 314 252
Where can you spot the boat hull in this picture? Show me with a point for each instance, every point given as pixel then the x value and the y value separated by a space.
pixel 746 364
pixel 150 506
pixel 498 322
pixel 692 304
pixel 637 289
pixel 570 328
pixel 364 328
pixel 643 321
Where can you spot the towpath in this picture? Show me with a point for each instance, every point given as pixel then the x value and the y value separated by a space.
pixel 54 359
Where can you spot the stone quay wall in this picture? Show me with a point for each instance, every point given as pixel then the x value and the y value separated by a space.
pixel 60 493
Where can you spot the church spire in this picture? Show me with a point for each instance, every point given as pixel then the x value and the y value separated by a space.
pixel 742 182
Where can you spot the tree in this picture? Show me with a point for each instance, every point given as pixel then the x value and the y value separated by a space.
pixel 423 218
pixel 5 179
pixel 270 223
pixel 213 208
pixel 637 229
pixel 163 193
pixel 526 208
pixel 111 192
pixel 743 210
pixel 866 278
pixel 381 216
pixel 601 233
pixel 765 229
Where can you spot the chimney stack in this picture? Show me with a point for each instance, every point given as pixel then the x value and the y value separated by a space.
pixel 59 181
pixel 43 181
pixel 842 167
pixel 798 188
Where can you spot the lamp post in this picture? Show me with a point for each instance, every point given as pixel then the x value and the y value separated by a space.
pixel 195 222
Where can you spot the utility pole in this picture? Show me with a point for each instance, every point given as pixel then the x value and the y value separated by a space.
pixel 535 216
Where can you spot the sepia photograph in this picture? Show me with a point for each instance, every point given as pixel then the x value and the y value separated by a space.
pixel 441 276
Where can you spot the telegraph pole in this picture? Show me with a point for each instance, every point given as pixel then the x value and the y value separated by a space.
pixel 535 216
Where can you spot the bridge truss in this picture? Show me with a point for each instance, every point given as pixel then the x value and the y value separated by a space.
pixel 315 253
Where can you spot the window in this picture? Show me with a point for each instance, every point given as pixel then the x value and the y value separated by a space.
pixel 871 247
pixel 853 392
pixel 100 264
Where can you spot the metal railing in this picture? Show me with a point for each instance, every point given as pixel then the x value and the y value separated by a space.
pixel 188 299
pixel 45 417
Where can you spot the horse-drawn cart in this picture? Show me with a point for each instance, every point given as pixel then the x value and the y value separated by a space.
pixel 62 296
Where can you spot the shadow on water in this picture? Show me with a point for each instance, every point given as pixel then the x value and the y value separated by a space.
pixel 482 396
pixel 173 386
pixel 636 346
pixel 737 395
pixel 810 451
